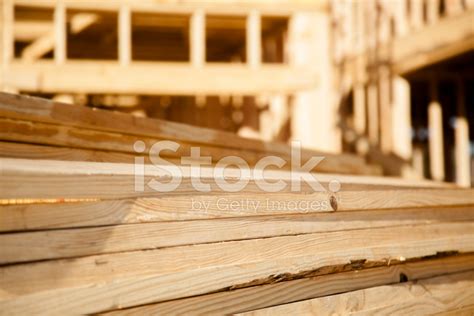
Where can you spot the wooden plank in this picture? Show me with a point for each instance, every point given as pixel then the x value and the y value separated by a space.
pixel 253 39
pixel 454 7
pixel 68 243
pixel 401 118
pixel 45 152
pixel 461 140
pixel 463 311
pixel 253 298
pixel 432 11
pixel 57 135
pixel 99 283
pixel 7 49
pixel 424 297
pixel 125 35
pixel 30 30
pixel 373 110
pixel 197 38
pixel 46 41
pixel 385 108
pixel 154 78
pixel 65 136
pixel 41 110
pixel 7 31
pixel 60 33
pixel 435 127
pixel 85 180
pixel 276 8
pixel 416 14
pixel 400 17
pixel 436 42
pixel 34 216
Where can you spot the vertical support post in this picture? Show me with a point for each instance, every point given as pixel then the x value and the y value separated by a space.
pixel 400 15
pixel 385 110
pixel 125 35
pixel 372 102
pixel 401 118
pixel 254 50
pixel 315 111
pixel 6 40
pixel 432 7
pixel 278 108
pixel 197 38
pixel 416 13
pixel 435 127
pixel 7 31
pixel 60 33
pixel 453 6
pixel 359 115
pixel 461 135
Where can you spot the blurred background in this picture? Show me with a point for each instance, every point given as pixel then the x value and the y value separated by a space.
pixel 390 80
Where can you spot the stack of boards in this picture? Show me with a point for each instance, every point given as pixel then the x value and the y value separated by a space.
pixel 77 237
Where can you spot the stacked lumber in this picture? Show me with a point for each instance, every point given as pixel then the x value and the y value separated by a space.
pixel 62 131
pixel 77 237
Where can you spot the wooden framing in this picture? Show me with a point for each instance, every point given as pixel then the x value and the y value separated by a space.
pixel 278 8
pixel 157 78
pixel 197 39
pixel 45 43
pixel 435 127
pixel 373 111
pixel 125 35
pixel 6 29
pixel 401 118
pixel 60 33
pixel 461 135
pixel 152 78
pixel 448 37
pixel 253 35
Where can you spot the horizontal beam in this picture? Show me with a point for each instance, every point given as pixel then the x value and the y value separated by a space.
pixel 447 38
pixel 154 78
pixel 225 7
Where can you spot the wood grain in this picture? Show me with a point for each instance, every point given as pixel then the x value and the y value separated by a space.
pixel 106 282
pixel 252 298
pixel 65 179
pixel 424 297
pixel 66 243
pixel 83 122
